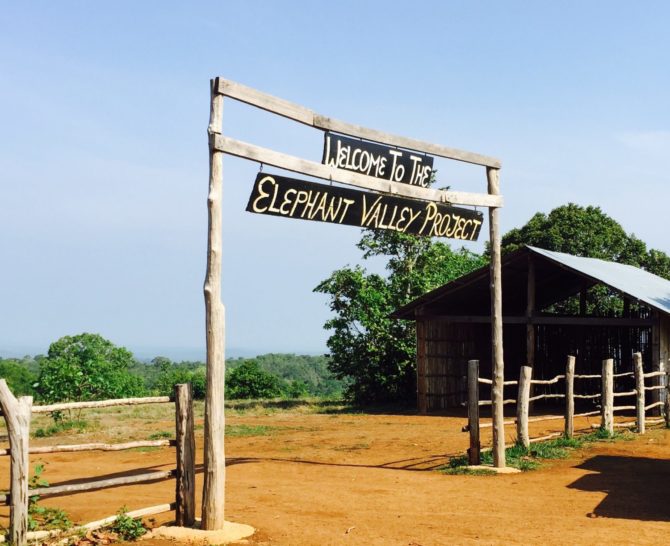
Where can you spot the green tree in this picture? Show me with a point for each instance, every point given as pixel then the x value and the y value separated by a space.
pixel 86 367
pixel 248 380
pixel 171 374
pixel 18 375
pixel 587 231
pixel 373 353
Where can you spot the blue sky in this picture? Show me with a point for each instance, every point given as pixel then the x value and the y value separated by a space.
pixel 103 151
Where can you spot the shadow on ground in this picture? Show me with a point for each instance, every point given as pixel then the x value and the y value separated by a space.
pixel 637 487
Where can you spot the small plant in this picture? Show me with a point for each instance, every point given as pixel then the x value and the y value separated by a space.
pixel 126 527
pixel 42 517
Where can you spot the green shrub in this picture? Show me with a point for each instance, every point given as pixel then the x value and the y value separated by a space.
pixel 249 381
pixel 126 527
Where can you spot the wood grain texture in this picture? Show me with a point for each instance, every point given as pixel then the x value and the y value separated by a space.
pixel 17 418
pixel 101 404
pixel 185 454
pixel 214 487
pixel 522 435
pixel 306 116
pixel 474 457
pixel 570 397
pixel 266 156
pixel 607 399
pixel 493 176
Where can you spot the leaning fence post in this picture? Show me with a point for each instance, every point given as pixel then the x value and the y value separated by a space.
pixel 522 406
pixel 639 389
pixel 607 398
pixel 185 487
pixel 17 417
pixel 570 397
pixel 473 412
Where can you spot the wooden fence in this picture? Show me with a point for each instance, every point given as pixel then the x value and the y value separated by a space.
pixel 17 414
pixel 606 396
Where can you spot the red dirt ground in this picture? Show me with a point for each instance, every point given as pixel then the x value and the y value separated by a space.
pixel 322 479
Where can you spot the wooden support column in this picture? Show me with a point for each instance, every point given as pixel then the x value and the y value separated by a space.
pixel 185 435
pixel 17 417
pixel 656 361
pixel 522 404
pixel 639 389
pixel 530 309
pixel 666 406
pixel 498 366
pixel 607 397
pixel 473 412
pixel 214 487
pixel 421 380
pixel 570 397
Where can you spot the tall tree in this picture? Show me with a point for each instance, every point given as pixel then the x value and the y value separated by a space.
pixel 373 353
pixel 588 231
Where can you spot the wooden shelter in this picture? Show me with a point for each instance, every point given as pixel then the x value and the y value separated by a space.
pixel 546 316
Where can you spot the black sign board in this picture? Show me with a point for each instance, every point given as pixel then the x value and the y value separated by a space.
pixel 282 196
pixel 377 160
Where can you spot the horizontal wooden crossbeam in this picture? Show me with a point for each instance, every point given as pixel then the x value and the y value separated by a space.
pixel 304 115
pixel 266 156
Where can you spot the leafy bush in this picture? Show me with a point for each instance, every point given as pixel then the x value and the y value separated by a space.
pixel 249 381
pixel 86 367
pixel 126 527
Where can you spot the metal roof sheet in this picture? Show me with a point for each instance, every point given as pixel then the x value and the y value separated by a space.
pixel 635 282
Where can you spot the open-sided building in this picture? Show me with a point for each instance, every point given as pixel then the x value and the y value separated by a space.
pixel 548 314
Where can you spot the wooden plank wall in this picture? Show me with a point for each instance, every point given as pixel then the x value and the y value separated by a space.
pixel 448 347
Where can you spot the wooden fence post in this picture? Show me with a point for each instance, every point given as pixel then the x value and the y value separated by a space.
pixel 185 488
pixel 17 416
pixel 667 394
pixel 607 398
pixel 639 388
pixel 522 406
pixel 570 397
pixel 473 412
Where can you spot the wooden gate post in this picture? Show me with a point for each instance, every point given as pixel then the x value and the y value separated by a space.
pixel 498 366
pixel 522 404
pixel 570 397
pixel 17 417
pixel 185 487
pixel 607 396
pixel 214 487
pixel 473 412
pixel 639 389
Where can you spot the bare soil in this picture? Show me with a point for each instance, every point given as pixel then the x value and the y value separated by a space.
pixel 301 477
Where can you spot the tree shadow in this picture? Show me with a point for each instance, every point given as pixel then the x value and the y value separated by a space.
pixel 636 487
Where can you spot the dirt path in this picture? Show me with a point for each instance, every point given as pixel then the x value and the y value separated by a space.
pixel 370 479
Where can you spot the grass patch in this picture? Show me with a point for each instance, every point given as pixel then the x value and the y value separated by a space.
pixel 531 458
pixel 250 430
pixel 161 435
pixel 76 425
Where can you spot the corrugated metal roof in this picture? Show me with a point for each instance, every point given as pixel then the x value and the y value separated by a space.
pixel 635 282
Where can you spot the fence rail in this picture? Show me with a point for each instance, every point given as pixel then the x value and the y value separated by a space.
pixel 17 413
pixel 607 396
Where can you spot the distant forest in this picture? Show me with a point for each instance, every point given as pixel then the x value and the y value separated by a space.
pixel 265 376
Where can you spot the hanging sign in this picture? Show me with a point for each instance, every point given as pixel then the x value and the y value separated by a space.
pixel 292 198
pixel 377 160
